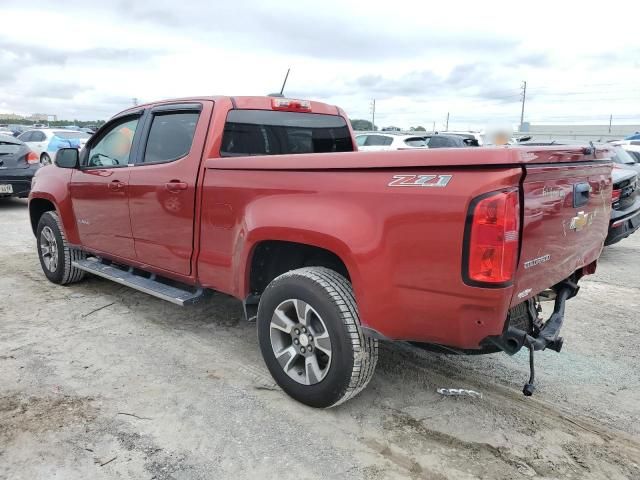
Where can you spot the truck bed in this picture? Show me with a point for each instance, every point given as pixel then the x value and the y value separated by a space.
pixel 403 247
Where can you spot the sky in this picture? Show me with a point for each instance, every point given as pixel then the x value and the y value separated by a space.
pixel 419 60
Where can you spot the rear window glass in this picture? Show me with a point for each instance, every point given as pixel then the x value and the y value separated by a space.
pixel 70 135
pixel 9 140
pixel 265 132
pixel 416 142
pixel 7 146
pixel 378 141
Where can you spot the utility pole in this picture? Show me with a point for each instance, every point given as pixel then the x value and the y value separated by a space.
pixel 135 101
pixel 446 128
pixel 373 114
pixel 524 97
pixel 610 120
pixel 434 127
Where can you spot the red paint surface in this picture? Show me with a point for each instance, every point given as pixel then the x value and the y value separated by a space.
pixel 402 246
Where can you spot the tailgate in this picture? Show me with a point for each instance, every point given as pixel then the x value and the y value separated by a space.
pixel 566 216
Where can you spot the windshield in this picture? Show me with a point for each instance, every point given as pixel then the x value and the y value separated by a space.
pixel 70 135
pixel 265 132
pixel 621 156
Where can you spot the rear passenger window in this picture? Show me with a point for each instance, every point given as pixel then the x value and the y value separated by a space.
pixel 170 136
pixel 38 137
pixel 361 139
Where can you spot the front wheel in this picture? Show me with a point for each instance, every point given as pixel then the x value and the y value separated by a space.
pixel 311 339
pixel 56 256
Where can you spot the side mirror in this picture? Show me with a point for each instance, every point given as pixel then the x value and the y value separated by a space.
pixel 67 158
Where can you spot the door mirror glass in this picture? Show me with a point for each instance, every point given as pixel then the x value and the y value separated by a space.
pixel 67 158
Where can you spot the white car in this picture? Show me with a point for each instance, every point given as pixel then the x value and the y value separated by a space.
pixel 45 142
pixel 384 141
pixel 633 149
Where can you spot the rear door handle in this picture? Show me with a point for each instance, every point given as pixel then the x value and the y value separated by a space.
pixel 176 186
pixel 115 185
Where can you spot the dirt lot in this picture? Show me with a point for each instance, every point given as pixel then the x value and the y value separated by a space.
pixel 99 381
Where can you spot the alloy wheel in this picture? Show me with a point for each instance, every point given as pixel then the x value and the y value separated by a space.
pixel 49 249
pixel 300 341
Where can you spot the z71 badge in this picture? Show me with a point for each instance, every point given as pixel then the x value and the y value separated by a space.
pixel 420 180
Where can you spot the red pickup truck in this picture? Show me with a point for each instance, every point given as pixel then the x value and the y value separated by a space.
pixel 330 249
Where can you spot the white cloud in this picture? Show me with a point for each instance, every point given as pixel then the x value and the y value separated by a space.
pixel 419 60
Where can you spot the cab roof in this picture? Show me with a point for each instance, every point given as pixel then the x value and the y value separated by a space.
pixel 241 103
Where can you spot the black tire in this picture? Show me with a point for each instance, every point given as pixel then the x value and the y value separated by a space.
pixel 45 159
pixel 353 356
pixel 64 272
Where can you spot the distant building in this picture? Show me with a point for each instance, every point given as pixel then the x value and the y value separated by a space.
pixel 36 117
pixel 10 116
pixel 578 132
pixel 42 117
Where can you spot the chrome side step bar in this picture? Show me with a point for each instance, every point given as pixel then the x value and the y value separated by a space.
pixel 138 282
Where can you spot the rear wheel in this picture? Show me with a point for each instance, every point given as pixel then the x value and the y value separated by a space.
pixel 45 159
pixel 311 339
pixel 56 256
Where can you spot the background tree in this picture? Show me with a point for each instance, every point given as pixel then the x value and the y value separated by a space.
pixel 359 124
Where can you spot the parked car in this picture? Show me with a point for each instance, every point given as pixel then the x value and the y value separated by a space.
pixel 633 149
pixel 378 142
pixel 18 164
pixel 474 139
pixel 329 251
pixel 447 141
pixel 6 132
pixel 633 136
pixel 623 158
pixel 46 142
pixel 625 213
pixel 17 129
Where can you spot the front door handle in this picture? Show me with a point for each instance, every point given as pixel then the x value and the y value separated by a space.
pixel 115 185
pixel 176 186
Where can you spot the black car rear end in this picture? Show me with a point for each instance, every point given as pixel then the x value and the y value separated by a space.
pixel 625 212
pixel 18 164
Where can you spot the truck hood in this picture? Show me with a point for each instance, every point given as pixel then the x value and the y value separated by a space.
pixel 442 157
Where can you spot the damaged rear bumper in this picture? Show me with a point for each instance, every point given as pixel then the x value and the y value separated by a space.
pixel 542 336
pixel 547 336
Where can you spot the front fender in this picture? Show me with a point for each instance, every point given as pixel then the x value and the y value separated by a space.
pixel 52 184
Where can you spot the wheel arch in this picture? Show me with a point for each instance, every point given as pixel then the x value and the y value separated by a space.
pixel 295 248
pixel 269 259
pixel 37 208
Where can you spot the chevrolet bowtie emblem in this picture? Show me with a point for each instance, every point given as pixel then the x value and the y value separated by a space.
pixel 581 221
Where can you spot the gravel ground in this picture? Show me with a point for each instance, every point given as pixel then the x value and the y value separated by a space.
pixel 99 381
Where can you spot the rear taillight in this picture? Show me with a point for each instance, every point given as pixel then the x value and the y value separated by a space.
pixel 615 195
pixel 491 239
pixel 32 158
pixel 290 105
